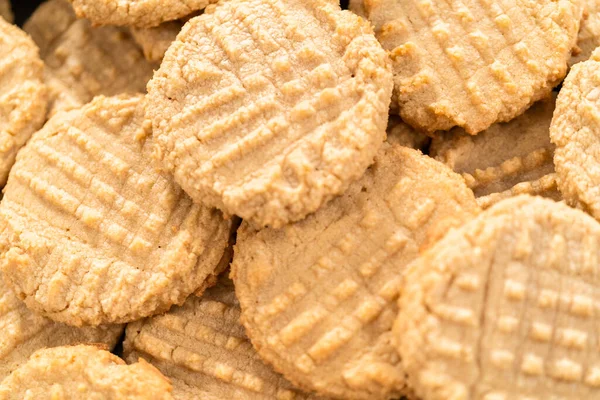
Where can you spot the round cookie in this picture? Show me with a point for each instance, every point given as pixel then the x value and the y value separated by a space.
pixel 472 63
pixel 202 348
pixel 155 41
pixel 505 307
pixel 589 32
pixel 6 11
pixel 96 233
pixel 318 297
pixel 83 61
pixel 24 332
pixel 506 159
pixel 138 13
pixel 267 109
pixel 83 372
pixel 22 93
pixel 575 130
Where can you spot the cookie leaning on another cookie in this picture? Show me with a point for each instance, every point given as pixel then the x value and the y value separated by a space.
pixel 155 41
pixel 505 307
pixel 472 63
pixel 83 373
pixel 22 93
pixel 318 297
pixel 402 134
pixel 96 232
pixel 589 32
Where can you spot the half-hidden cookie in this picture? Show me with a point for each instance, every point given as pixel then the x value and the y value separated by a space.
pixel 96 233
pixel 138 13
pixel 505 307
pixel 473 63
pixel 22 93
pixel 575 131
pixel 506 159
pixel 6 10
pixel 589 32
pixel 83 372
pixel 268 109
pixel 202 348
pixel 24 332
pixel 357 7
pixel 404 135
pixel 83 61
pixel 318 297
pixel 155 41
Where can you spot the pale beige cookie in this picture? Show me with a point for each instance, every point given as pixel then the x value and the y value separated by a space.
pixel 202 348
pixel 6 10
pixel 138 13
pixel 82 61
pixel 267 109
pixel 505 307
pixel 318 297
pixel 589 32
pixel 471 63
pixel 404 135
pixel 84 372
pixel 96 232
pixel 155 41
pixel 575 130
pixel 22 93
pixel 24 332
pixel 507 158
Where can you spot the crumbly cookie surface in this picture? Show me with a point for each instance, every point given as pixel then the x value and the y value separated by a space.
pixel 575 130
pixel 202 348
pixel 472 63
pixel 96 232
pixel 318 297
pixel 83 373
pixel 504 307
pixel 403 134
pixel 22 93
pixel 155 41
pixel 589 32
pixel 267 109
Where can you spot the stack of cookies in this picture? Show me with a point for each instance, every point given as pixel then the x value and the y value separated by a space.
pixel 289 199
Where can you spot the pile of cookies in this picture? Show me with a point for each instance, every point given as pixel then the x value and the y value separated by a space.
pixel 285 199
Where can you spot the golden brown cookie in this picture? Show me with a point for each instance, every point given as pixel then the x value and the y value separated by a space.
pixel 506 159
pixel 83 61
pixel 267 109
pixel 84 373
pixel 472 63
pixel 6 10
pixel 22 93
pixel 358 7
pixel 155 41
pixel 505 307
pixel 202 348
pixel 24 332
pixel 404 135
pixel 96 232
pixel 575 130
pixel 589 32
pixel 318 297
pixel 138 13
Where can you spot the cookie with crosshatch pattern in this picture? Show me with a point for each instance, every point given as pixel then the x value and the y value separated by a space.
pixel 505 307
pixel 318 297
pixel 267 109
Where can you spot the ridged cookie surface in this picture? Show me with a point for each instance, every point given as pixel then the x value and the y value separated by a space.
pixel 505 307
pixel 471 63
pixel 96 232
pixel 202 348
pixel 84 373
pixel 267 109
pixel 318 297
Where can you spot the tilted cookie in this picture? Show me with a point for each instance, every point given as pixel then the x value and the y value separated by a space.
pixel 6 10
pixel 473 63
pixel 506 159
pixel 267 109
pixel 22 93
pixel 96 232
pixel 83 61
pixel 589 32
pixel 318 297
pixel 155 41
pixel 358 7
pixel 83 373
pixel 505 307
pixel 202 348
pixel 404 135
pixel 138 13
pixel 575 131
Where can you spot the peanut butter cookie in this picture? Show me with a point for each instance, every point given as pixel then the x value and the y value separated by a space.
pixel 155 41
pixel 6 10
pixel 589 32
